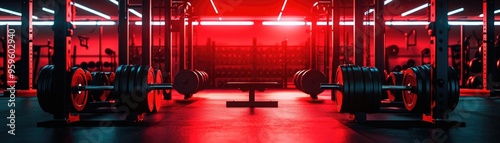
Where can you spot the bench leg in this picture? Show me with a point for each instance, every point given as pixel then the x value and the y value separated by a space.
pixel 251 102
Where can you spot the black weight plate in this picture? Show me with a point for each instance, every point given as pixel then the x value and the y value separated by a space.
pixel 133 86
pixel 425 104
pixel 117 80
pixel 368 84
pixel 377 90
pixel 99 79
pixel 123 94
pixel 296 78
pixel 51 92
pixel 43 85
pixel 395 78
pixel 78 98
pixel 352 89
pixel 200 82
pixel 359 90
pixel 186 82
pixel 311 82
pixel 454 93
pixel 299 79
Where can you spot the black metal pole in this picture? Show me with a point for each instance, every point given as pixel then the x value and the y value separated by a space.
pixel 123 33
pixel 379 35
pixel 358 33
pixel 62 42
pixel 182 34
pixel 285 64
pixel 326 51
pixel 146 32
pixel 254 59
pixel 439 59
pixel 26 77
pixel 168 41
pixel 489 57
pixel 5 52
pixel 100 48
pixel 313 47
pixel 190 49
pixel 463 55
pixel 335 38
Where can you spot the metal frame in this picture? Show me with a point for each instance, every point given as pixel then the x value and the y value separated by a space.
pixel 146 32
pixel 62 42
pixel 439 60
pixel 379 35
pixel 358 32
pixel 168 45
pixel 26 79
pixel 5 53
pixel 489 50
pixel 123 33
pixel 335 39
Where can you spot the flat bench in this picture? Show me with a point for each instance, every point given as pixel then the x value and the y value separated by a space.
pixel 251 87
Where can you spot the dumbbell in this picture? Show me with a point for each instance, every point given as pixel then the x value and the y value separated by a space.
pixel 83 65
pixel 475 81
pixel 92 64
pixel 475 65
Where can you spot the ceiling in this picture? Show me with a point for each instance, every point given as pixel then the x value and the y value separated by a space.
pixel 251 9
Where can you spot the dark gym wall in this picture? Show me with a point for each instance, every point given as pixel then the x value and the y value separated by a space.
pixel 242 35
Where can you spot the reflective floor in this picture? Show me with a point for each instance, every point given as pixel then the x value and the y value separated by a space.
pixel 297 119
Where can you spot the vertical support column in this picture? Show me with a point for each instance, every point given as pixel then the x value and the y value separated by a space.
pixel 285 65
pixel 190 49
pixel 123 33
pixel 168 40
pixel 100 48
pixel 182 32
pixel 326 51
pixel 335 41
pixel 26 77
pixel 379 34
pixel 146 32
pixel 464 56
pixel 439 59
pixel 254 59
pixel 489 57
pixel 63 31
pixel 358 32
pixel 3 38
pixel 314 52
pixel 212 46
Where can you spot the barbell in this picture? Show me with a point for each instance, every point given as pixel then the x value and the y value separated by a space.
pixel 360 89
pixel 132 86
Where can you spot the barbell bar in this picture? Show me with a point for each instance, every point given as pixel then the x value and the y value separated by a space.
pixel 110 87
pixel 337 86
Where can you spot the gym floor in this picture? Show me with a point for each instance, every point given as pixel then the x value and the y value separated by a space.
pixel 297 119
